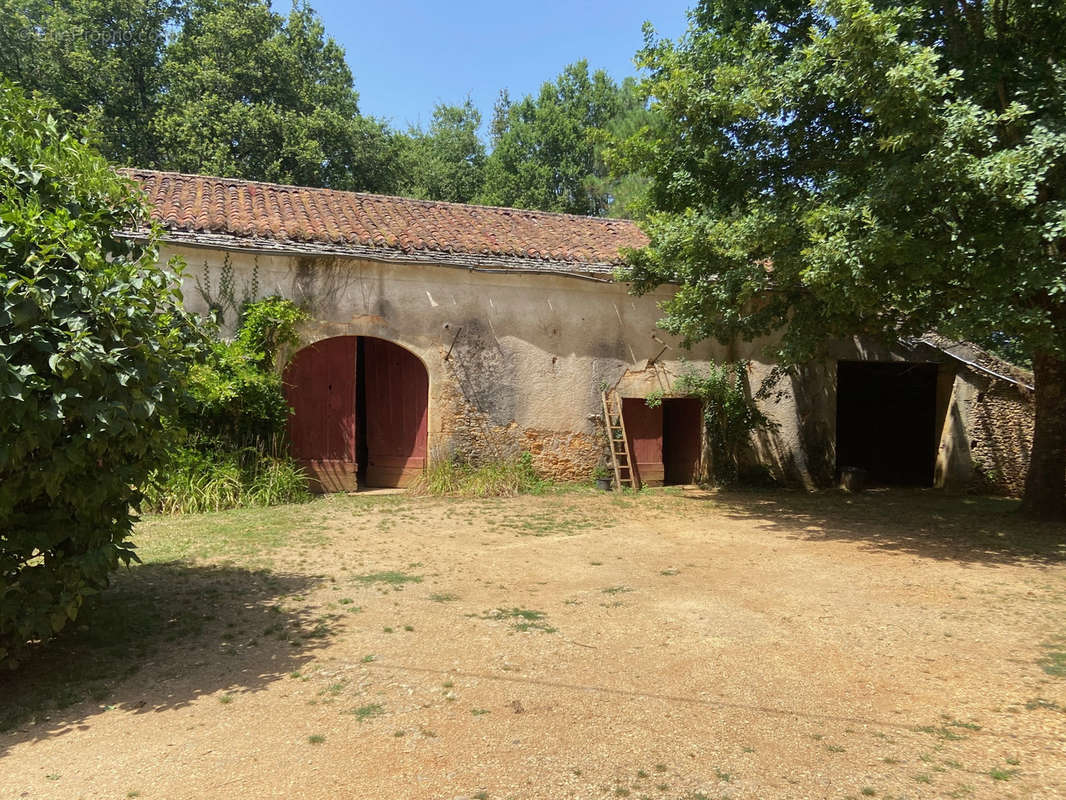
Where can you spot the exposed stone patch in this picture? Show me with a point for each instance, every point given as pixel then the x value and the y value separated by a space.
pixel 562 457
pixel 1001 438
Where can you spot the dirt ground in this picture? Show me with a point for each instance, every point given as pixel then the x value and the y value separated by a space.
pixel 576 645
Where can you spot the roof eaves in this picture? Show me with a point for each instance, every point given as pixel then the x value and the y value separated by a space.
pixel 484 262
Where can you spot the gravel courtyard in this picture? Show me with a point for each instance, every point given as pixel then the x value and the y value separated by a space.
pixel 674 644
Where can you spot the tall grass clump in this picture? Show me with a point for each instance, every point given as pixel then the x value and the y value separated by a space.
pixel 195 482
pixel 502 478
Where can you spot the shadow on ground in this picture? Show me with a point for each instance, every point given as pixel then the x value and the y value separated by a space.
pixel 160 637
pixel 925 523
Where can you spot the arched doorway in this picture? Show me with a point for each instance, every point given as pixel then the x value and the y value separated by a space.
pixel 359 412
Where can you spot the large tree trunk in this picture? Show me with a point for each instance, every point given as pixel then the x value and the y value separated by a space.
pixel 1045 486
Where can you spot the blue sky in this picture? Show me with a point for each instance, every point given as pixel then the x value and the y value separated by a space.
pixel 408 56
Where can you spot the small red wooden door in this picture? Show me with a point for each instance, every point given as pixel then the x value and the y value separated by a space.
pixel 397 397
pixel 644 431
pixel 320 389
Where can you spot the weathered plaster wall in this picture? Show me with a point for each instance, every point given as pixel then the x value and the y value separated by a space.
pixel 515 361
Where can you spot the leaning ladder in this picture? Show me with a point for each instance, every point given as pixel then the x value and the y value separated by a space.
pixel 618 441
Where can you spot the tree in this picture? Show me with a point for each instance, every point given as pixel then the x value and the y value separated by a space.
pixel 252 94
pixel 221 86
pixel 99 60
pixel 92 347
pixel 866 167
pixel 447 161
pixel 544 151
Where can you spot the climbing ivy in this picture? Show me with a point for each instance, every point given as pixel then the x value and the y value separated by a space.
pixel 729 412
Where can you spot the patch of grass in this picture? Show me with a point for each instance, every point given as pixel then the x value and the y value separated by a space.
pixel 723 776
pixel 369 711
pixel 196 482
pixel 443 597
pixel 941 732
pixel 923 778
pixel 226 699
pixel 1040 702
pixel 316 738
pixel 477 712
pixel 482 795
pixel 868 791
pixel 998 774
pixel 616 589
pixel 1054 660
pixel 248 534
pixel 391 578
pixel 834 748
pixel 368 658
pixel 522 619
pixel 504 478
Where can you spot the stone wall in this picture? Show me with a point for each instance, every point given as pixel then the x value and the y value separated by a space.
pixel 1001 437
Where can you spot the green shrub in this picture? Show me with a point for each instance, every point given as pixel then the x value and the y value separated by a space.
pixel 505 478
pixel 93 344
pixel 231 448
pixel 730 414
pixel 194 482
pixel 234 393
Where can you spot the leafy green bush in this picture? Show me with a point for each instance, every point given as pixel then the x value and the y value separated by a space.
pixel 235 398
pixel 729 414
pixel 230 448
pixel 194 482
pixel 93 341
pixel 447 477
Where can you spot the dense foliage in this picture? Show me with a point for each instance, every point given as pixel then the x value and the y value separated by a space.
pixel 545 148
pixel 225 87
pixel 92 344
pixel 231 87
pixel 230 447
pixel 860 166
pixel 447 162
pixel 730 415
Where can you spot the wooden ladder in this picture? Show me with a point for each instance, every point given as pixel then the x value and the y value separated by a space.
pixel 624 473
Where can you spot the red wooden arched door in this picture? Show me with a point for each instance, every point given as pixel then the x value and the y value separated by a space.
pixel 359 412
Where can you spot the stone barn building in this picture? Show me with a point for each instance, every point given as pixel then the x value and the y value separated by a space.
pixel 442 330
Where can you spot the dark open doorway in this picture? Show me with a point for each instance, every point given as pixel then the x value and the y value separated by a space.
pixel 682 423
pixel 886 421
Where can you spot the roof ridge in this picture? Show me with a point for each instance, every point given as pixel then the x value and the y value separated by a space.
pixel 428 203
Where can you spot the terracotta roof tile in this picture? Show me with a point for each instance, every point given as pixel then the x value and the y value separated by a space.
pixel 306 218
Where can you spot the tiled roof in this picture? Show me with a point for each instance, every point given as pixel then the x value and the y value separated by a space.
pixel 225 212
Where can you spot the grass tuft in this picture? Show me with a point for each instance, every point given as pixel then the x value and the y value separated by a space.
pixel 504 478
pixel 195 482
